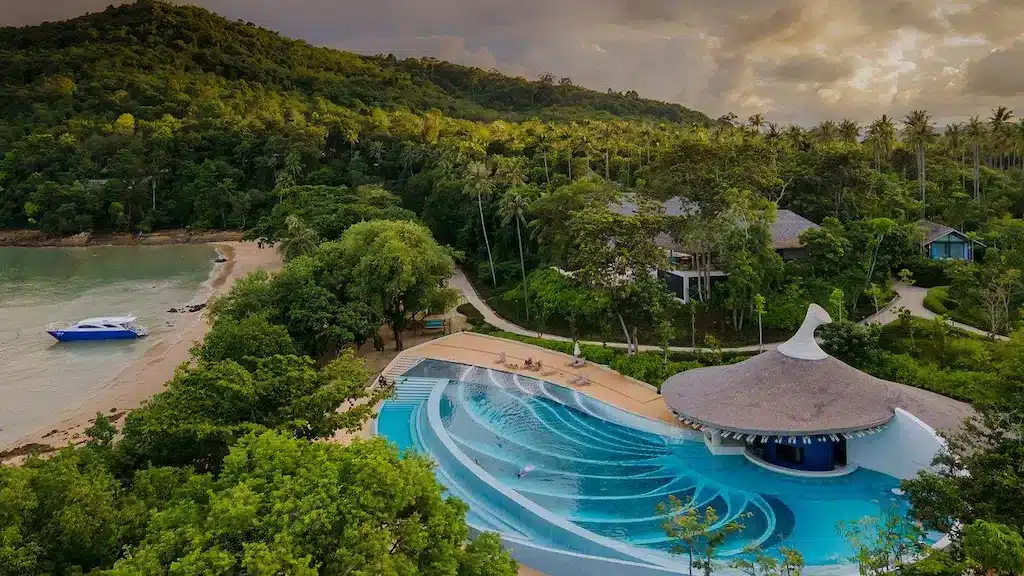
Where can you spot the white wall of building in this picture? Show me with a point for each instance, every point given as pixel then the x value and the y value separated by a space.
pixel 906 446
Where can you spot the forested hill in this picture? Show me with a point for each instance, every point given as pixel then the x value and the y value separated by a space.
pixel 140 47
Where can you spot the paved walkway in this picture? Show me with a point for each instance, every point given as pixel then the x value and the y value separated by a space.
pixel 912 298
pixel 604 383
pixel 462 284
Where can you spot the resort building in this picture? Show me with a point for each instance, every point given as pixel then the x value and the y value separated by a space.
pixel 680 276
pixel 945 243
pixel 798 411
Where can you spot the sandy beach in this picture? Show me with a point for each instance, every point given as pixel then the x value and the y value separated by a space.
pixel 145 377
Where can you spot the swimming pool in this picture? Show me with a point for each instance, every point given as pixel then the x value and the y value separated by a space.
pixel 597 473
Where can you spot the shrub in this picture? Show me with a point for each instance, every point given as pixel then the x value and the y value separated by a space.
pixel 472 314
pixel 649 367
pixel 937 299
pixel 978 388
pixel 927 273
pixel 852 343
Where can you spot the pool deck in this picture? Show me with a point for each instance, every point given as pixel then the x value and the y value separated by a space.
pixel 605 384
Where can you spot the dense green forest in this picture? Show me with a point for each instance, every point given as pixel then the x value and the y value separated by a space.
pixel 374 177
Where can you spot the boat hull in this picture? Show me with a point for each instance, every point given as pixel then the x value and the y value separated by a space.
pixel 82 335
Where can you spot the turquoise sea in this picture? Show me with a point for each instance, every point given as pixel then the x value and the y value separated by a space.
pixel 40 378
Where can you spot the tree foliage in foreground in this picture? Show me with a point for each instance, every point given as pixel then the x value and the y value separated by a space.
pixel 280 505
pixel 206 407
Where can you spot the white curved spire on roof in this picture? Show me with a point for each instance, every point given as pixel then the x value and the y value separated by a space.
pixel 802 345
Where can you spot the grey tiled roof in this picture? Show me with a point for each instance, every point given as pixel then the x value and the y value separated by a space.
pixel 933 231
pixel 786 229
pixel 772 393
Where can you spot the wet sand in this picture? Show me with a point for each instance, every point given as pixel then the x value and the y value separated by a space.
pixel 145 377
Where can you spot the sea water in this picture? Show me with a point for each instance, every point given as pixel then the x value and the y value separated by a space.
pixel 40 378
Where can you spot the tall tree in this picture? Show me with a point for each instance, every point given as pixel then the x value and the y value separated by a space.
pixel 397 268
pixel 1000 121
pixel 478 183
pixel 882 137
pixel 513 207
pixel 975 134
pixel 849 131
pixel 953 138
pixel 919 132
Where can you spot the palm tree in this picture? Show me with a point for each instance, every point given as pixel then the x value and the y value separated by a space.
pixel 795 135
pixel 1017 143
pixel 478 182
pixel 513 206
pixel 975 134
pixel 849 131
pixel 919 132
pixel 953 137
pixel 882 135
pixel 299 240
pixel 756 121
pixel 999 120
pixel 568 136
pixel 512 170
pixel 827 131
pixel 543 140
pixel 608 135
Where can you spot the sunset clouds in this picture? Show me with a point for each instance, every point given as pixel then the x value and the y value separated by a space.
pixel 792 60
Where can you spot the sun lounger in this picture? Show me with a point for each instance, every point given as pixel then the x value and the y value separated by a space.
pixel 501 359
pixel 582 380
pixel 535 366
pixel 550 372
pixel 577 363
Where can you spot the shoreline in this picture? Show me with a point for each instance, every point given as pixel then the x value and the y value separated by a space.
pixel 36 239
pixel 142 378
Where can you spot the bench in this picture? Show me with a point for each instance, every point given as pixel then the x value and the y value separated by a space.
pixel 435 324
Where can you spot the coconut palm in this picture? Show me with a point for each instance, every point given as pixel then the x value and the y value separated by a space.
pixel 478 182
pixel 827 131
pixel 299 239
pixel 849 131
pixel 919 132
pixel 794 135
pixel 512 171
pixel 756 121
pixel 1017 143
pixel 975 134
pixel 513 206
pixel 999 121
pixel 953 138
pixel 882 136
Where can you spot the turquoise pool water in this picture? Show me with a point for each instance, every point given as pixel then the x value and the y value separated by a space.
pixel 606 471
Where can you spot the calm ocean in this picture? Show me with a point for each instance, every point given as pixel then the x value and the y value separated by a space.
pixel 40 378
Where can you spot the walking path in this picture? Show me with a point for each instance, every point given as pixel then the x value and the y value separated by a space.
pixel 909 297
pixel 912 298
pixel 462 284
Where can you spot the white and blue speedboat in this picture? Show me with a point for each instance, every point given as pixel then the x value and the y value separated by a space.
pixel 100 328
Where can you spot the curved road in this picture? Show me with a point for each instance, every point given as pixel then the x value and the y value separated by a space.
pixel 462 284
pixel 912 298
pixel 909 297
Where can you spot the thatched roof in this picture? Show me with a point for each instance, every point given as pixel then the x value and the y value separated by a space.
pixel 772 393
pixel 799 390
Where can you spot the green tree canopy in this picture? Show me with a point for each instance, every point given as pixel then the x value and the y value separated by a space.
pixel 206 407
pixel 396 268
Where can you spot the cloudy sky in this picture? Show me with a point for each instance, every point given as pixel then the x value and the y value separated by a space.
pixel 792 60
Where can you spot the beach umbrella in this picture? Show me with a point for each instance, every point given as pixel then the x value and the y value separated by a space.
pixel 576 349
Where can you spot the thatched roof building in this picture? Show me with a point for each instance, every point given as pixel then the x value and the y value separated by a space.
pixel 796 407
